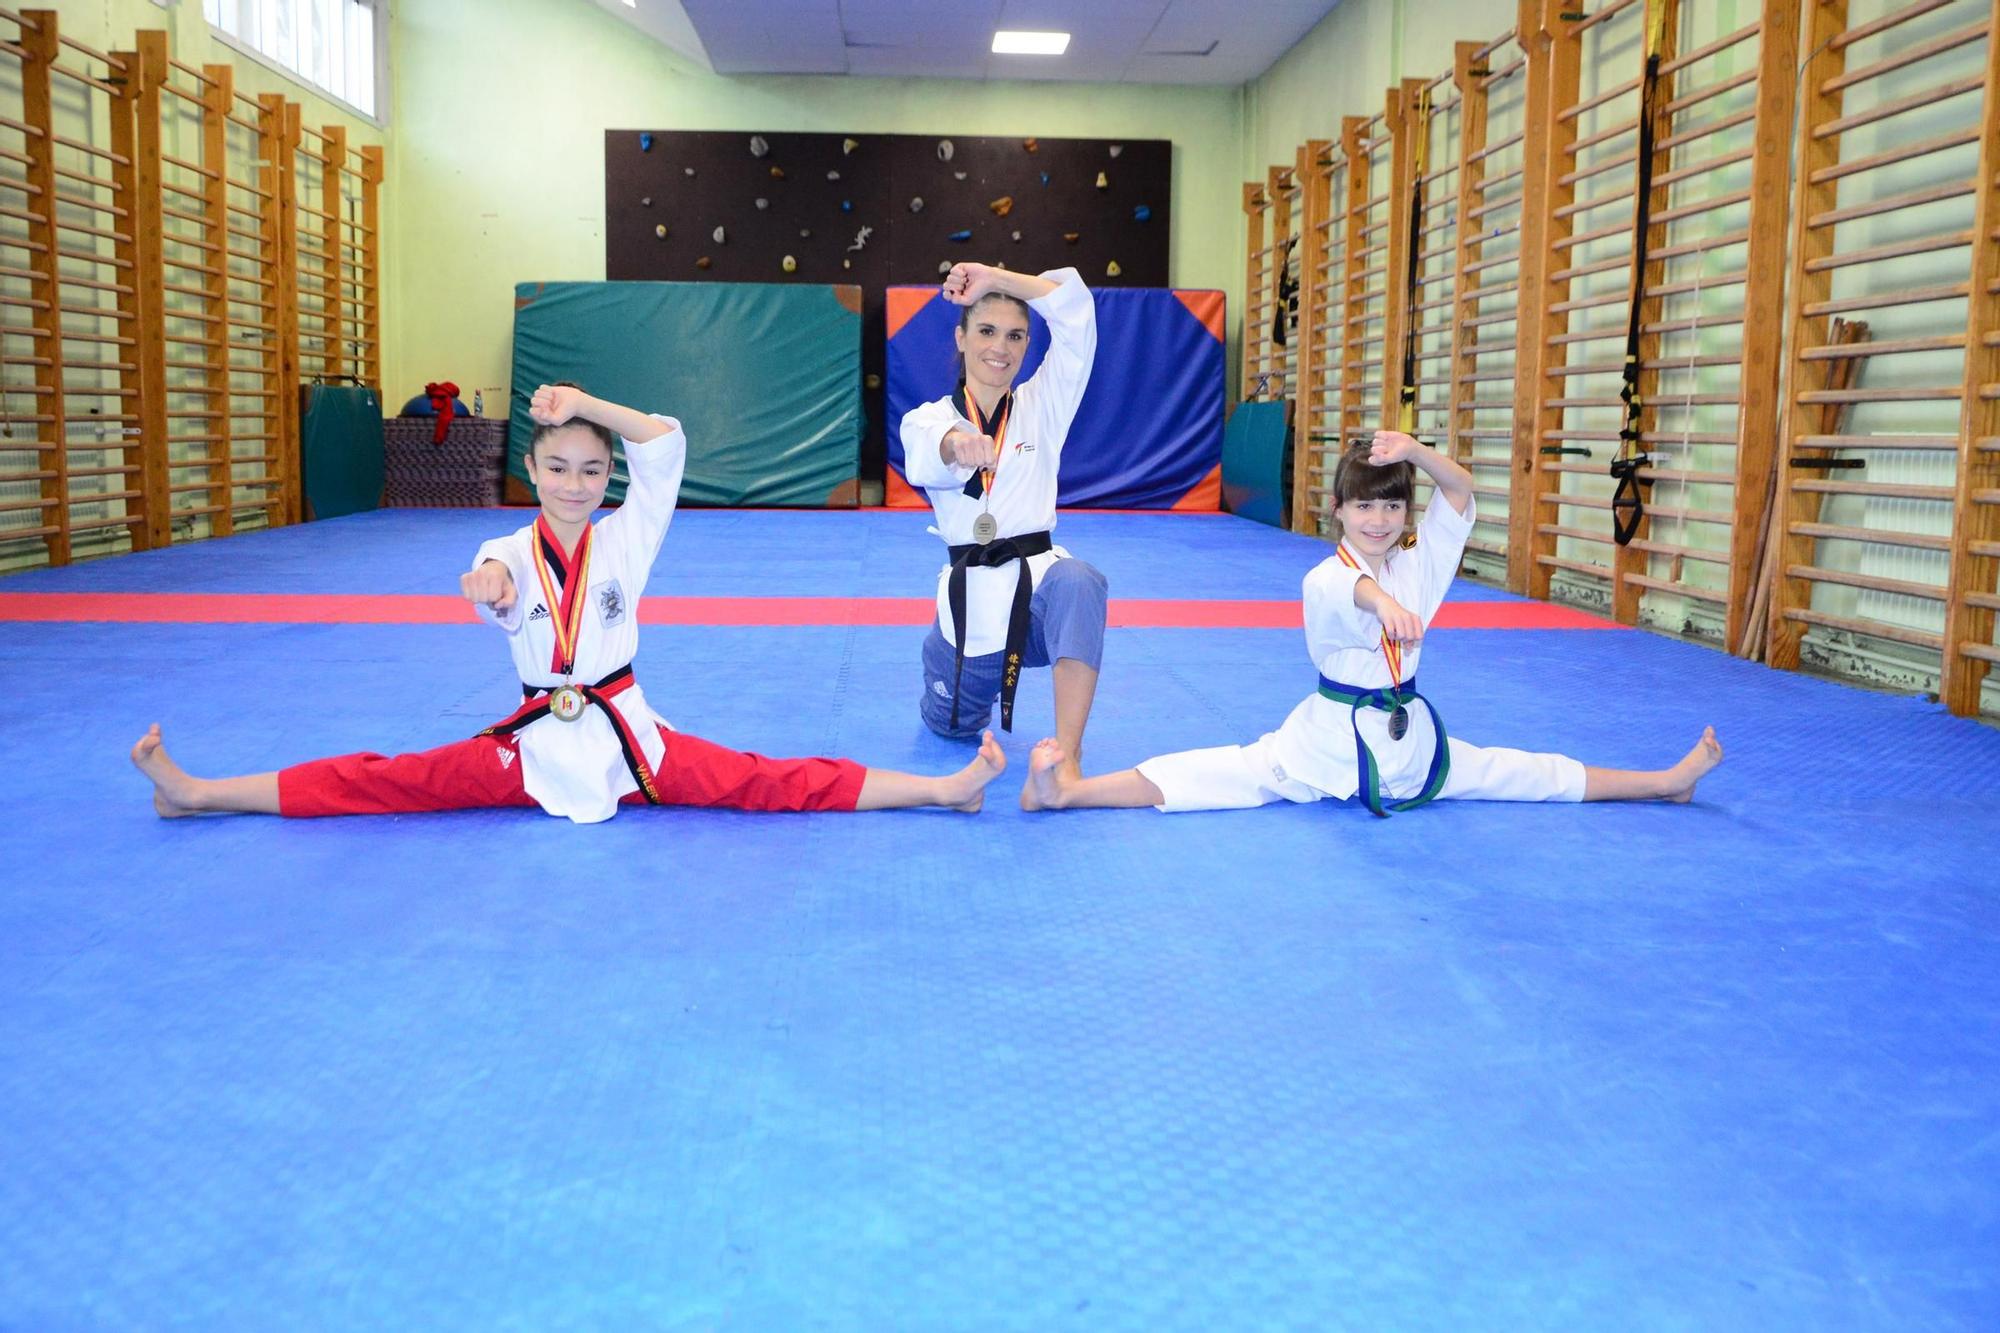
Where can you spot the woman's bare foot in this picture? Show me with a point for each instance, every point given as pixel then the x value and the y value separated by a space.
pixel 1682 777
pixel 966 789
pixel 1048 776
pixel 173 790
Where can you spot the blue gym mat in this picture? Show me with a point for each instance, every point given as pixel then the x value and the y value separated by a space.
pixel 1731 1065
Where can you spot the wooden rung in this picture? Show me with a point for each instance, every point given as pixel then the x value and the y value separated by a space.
pixel 1832 532
pixel 1880 490
pixel 1719 596
pixel 1651 547
pixel 1878 300
pixel 1872 582
pixel 1908 55
pixel 1597 168
pixel 1872 628
pixel 197 168
pixel 110 209
pixel 1716 47
pixel 1604 136
pixel 1948 393
pixel 1921 245
pixel 84 177
pixel 1863 31
pixel 1592 103
pixel 1594 202
pixel 1928 442
pixel 1884 110
pixel 1886 347
pixel 1908 152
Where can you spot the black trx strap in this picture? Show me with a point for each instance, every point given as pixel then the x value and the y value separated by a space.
pixel 1628 501
pixel 1407 414
pixel 1287 310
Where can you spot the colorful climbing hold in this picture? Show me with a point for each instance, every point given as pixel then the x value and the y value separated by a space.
pixel 777 173
pixel 1143 213
pixel 847 146
pixel 1032 145
pixel 758 146
pixel 791 265
pixel 717 233
pixel 917 204
pixel 703 262
pixel 1071 236
pixel 1103 181
pixel 945 150
pixel 1111 270
pixel 645 143
pixel 960 237
pixel 1002 206
pixel 660 231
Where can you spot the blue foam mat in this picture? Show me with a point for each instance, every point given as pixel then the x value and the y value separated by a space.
pixel 1727 1066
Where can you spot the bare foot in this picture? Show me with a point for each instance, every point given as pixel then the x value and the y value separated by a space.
pixel 1048 776
pixel 1682 777
pixel 967 787
pixel 173 790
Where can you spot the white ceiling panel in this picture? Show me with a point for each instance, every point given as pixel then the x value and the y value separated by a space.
pixel 1225 42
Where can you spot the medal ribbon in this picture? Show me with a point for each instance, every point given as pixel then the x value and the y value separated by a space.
pixel 999 434
pixel 566 612
pixel 1392 651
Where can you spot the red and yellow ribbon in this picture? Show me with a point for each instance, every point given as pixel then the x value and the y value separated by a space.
pixel 1392 651
pixel 565 613
pixel 998 432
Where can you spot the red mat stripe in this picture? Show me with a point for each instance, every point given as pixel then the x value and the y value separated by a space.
pixel 432 609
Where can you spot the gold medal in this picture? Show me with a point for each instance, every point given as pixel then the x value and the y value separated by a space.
pixel 568 703
pixel 985 528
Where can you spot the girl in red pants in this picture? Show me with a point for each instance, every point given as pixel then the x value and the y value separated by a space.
pixel 583 741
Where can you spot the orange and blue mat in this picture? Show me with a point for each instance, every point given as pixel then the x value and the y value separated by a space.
pixel 1734 1065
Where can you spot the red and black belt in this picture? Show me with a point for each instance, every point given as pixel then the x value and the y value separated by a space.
pixel 538 703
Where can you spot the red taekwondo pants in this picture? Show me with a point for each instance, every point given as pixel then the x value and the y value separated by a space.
pixel 486 771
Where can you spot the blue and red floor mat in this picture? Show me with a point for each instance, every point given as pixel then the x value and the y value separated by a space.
pixel 1733 1065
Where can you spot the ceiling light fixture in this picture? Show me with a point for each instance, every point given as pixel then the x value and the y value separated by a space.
pixel 1030 43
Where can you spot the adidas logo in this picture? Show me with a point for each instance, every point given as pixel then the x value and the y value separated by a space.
pixel 506 758
pixel 539 613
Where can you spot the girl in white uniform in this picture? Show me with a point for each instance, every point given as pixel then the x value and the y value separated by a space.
pixel 584 740
pixel 1366 730
pixel 987 456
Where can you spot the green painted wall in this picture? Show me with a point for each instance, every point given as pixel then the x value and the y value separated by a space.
pixel 497 164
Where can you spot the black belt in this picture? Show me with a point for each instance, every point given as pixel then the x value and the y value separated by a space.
pixel 992 555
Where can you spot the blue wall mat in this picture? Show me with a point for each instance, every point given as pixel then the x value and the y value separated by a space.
pixel 1254 480
pixel 765 378
pixel 1149 432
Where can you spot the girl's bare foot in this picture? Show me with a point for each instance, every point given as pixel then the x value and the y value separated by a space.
pixel 173 790
pixel 1682 777
pixel 967 788
pixel 1048 776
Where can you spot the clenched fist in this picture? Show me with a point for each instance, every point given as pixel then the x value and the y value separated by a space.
pixel 964 449
pixel 489 585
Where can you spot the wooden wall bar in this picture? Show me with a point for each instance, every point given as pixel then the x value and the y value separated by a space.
pixel 149 284
pixel 1817 378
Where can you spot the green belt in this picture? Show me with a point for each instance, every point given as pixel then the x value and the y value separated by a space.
pixel 1388 701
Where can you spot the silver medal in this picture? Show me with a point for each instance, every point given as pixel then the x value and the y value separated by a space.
pixel 985 528
pixel 1399 723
